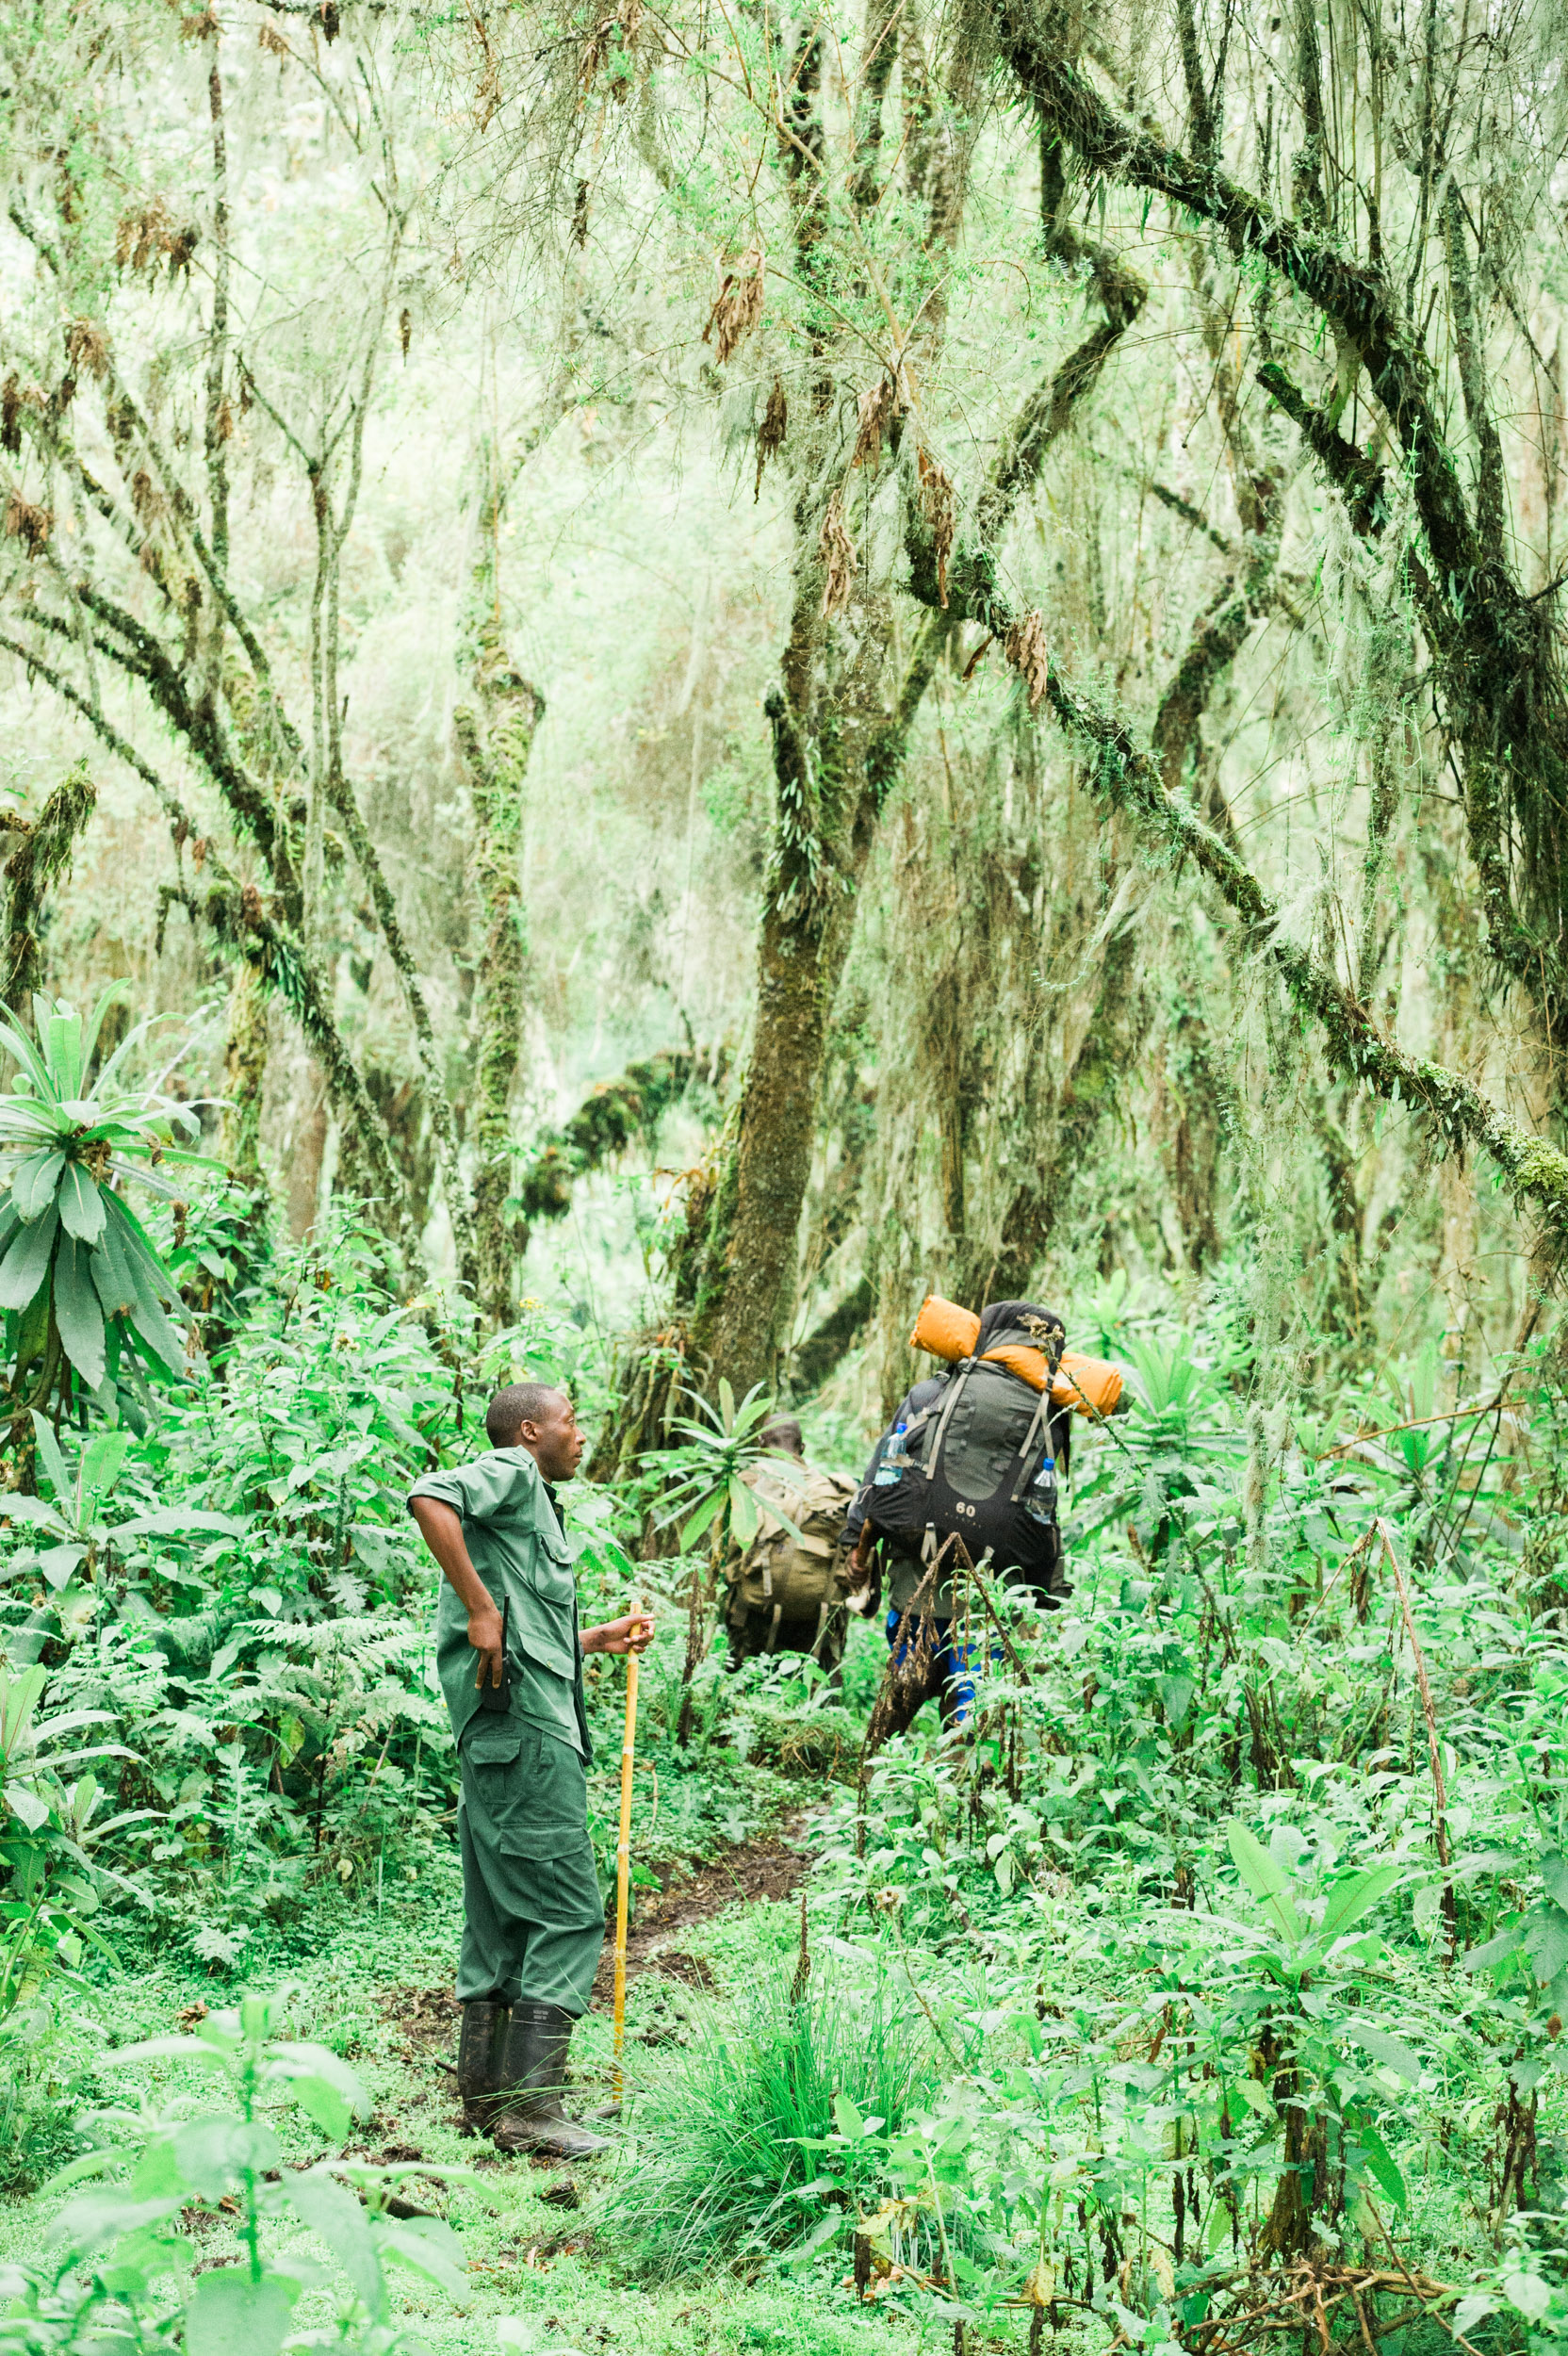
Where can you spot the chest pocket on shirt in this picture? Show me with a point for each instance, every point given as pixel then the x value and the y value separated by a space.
pixel 549 1634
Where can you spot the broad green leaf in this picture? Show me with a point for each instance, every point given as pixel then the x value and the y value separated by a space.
pixel 727 1405
pixel 328 2209
pixel 189 2048
pixel 1391 2050
pixel 296 2059
pixel 431 2248
pixel 38 1511
pixel 22 1051
pixel 26 1804
pixel 1380 2166
pixel 743 1513
pixel 848 2119
pixel 701 1518
pixel 27 1263
pixel 109 1076
pixel 228 2314
pixel 79 1311
pixel 325 2106
pixel 212 2153
pixel 81 1204
pixel 111 997
pixel 1262 1875
pixel 19 1699
pixel 54 1462
pixel 1554 1872
pixel 170 1519
pixel 34 1180
pixel 148 1317
pixel 1530 2293
pixel 754 1409
pixel 1176 1695
pixel 1349 1901
pixel 62 1049
pixel 58 1563
pixel 93 2218
pixel 111 1273
pixel 77 2171
pixel 1496 1950
pixel 102 1460
pixel 1544 1935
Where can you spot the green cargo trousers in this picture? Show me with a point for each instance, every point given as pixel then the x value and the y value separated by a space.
pixel 533 1921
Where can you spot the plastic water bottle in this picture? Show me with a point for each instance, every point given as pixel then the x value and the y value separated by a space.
pixel 895 1460
pixel 1040 1499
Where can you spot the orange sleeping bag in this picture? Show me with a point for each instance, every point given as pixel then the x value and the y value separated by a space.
pixel 1090 1386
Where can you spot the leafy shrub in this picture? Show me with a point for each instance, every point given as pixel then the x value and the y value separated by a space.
pixel 141 2198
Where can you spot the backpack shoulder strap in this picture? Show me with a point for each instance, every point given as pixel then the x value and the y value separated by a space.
pixel 954 1391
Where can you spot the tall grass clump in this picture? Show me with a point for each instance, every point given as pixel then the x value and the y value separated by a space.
pixel 731 2127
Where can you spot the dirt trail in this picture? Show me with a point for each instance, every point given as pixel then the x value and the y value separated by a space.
pixel 752 1870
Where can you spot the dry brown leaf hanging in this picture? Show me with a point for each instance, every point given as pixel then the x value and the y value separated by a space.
pixel 936 506
pixel 736 306
pixel 29 524
pixel 406 329
pixel 624 22
pixel 148 235
pixel 878 409
pixel 10 416
pixel 1025 646
pixel 771 432
pixel 839 559
pixel 146 498
pixel 272 40
pixel 86 346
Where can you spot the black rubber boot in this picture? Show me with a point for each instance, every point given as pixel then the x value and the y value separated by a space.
pixel 533 2071
pixel 481 2051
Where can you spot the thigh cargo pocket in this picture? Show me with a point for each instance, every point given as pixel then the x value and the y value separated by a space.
pixel 530 1790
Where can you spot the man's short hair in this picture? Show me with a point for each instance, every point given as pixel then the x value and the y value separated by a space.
pixel 783 1432
pixel 518 1404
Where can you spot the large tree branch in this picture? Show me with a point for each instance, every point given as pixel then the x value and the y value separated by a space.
pixel 1128 778
pixel 1358 301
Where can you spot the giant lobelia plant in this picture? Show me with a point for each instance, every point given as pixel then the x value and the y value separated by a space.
pixel 82 1287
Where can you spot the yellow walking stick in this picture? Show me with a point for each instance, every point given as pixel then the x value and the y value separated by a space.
pixel 623 1860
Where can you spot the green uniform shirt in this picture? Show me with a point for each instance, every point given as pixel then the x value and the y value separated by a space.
pixel 516 1545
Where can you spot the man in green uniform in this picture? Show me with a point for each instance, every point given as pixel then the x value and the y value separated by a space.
pixel 508 1654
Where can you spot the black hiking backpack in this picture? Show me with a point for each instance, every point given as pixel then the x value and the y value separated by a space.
pixel 979 1463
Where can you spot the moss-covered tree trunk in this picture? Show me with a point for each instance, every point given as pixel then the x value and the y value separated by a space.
pixel 42 855
pixel 245 1074
pixel 496 740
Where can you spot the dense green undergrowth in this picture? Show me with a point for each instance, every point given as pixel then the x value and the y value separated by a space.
pixel 1228 1940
